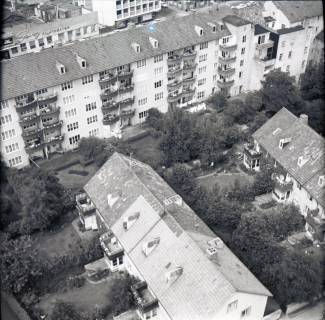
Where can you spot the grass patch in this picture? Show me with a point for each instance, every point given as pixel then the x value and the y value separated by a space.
pixel 268 205
pixel 79 172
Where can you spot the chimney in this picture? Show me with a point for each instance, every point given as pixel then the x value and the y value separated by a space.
pixel 304 119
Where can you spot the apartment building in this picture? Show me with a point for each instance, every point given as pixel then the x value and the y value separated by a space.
pixel 148 230
pixel 119 13
pixel 316 54
pixel 20 39
pixel 299 172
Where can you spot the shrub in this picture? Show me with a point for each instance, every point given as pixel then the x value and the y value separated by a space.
pixel 75 282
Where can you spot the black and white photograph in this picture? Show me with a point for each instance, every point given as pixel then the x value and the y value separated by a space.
pixel 162 160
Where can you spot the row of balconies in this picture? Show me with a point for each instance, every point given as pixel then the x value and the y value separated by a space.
pixel 115 76
pixel 38 114
pixel 37 145
pixel 114 91
pixel 32 101
pixel 113 105
pixel 35 130
pixel 175 96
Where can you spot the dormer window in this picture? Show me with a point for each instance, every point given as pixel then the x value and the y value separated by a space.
pixel 284 142
pixel 149 246
pixel 221 26
pixel 81 61
pixel 198 30
pixel 174 274
pixel 213 27
pixel 302 161
pixel 321 181
pixel 61 68
pixel 130 220
pixel 136 47
pixel 153 42
pixel 276 131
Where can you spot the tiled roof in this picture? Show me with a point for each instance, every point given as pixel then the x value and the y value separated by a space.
pixel 207 281
pixel 259 29
pixel 103 53
pixel 290 30
pixel 299 10
pixel 236 21
pixel 305 143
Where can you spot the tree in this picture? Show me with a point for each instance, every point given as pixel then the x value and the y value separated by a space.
pixel 66 311
pixel 254 100
pixel 279 90
pixel 155 119
pixel 120 295
pixel 315 109
pixel 219 100
pixel 312 83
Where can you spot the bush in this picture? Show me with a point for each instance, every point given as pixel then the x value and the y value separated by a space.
pixel 268 205
pixel 100 275
pixel 75 282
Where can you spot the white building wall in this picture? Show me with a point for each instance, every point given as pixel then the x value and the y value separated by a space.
pixel 106 10
pixel 281 20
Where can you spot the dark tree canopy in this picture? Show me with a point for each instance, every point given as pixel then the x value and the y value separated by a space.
pixel 312 83
pixel 66 311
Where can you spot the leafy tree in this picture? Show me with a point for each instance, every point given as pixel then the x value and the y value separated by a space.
pixel 66 311
pixel 254 100
pixel 239 112
pixel 120 295
pixel 258 121
pixel 315 110
pixel 279 90
pixel 218 100
pixel 155 119
pixel 239 192
pixel 312 83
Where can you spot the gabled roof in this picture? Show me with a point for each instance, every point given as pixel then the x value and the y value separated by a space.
pixel 123 186
pixel 305 143
pixel 236 20
pixel 260 29
pixel 299 10
pixel 290 30
pixel 103 53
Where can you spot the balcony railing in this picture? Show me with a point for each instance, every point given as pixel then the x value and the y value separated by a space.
pixel 54 139
pixel 188 91
pixel 124 89
pixel 110 245
pixel 225 84
pixel 127 113
pixel 189 53
pixel 188 66
pixel 251 152
pixel 50 98
pixel 174 83
pixel 174 70
pixel 53 124
pixel 227 59
pixel 111 105
pixel 108 78
pixel 172 97
pixel 49 111
pixel 30 132
pixel 174 58
pixel 26 103
pixel 228 47
pixel 144 298
pixel 190 79
pixel 226 72
pixel 110 119
pixel 281 184
pixel 109 93
pixel 29 118
pixel 264 45
pixel 126 102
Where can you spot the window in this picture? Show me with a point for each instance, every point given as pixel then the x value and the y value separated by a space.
pixel 66 85
pixel 38 92
pixel 12 147
pixel 283 44
pixel 92 28
pixel 32 44
pixel 41 42
pixel 203 57
pixel 49 39
pixel 214 77
pixel 4 105
pixel 241 63
pixel 246 312
pixel 142 101
pixel 158 71
pixel 93 132
pixel 73 126
pixel 158 84
pixel 240 74
pixel 91 106
pixel 15 161
pixel 115 262
pixel 242 50
pixel 14 50
pixel 23 47
pixel 158 58
pixel 143 114
pixel 85 30
pixel 159 96
pixel 92 119
pixel 8 134
pixel 71 113
pixel 232 306
pixel 204 45
pixel 240 88
pixel 289 54
pixel 87 79
pixel 225 40
pixel 280 56
pixel 74 139
pixel 283 26
pixel 61 36
pixel 6 119
pixel 303 63
pixel 68 99
pixel 200 95
pixel 201 82
pixel 273 24
pixel 288 68
pixel 202 69
pixel 244 39
pixel 141 63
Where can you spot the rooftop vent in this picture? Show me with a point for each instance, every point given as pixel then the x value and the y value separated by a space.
pixel 321 181
pixel 276 131
pixel 198 30
pixel 149 246
pixel 283 142
pixel 153 42
pixel 136 47
pixel 302 161
pixel 174 199
pixel 304 119
pixel 61 68
pixel 112 198
pixel 174 274
pixel 81 61
pixel 130 220
pixel 216 242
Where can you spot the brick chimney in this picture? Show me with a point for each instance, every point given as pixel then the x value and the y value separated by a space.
pixel 304 119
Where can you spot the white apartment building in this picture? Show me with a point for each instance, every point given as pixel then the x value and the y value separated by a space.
pixel 185 270
pixel 119 13
pixel 299 172
pixel 98 86
pixel 25 38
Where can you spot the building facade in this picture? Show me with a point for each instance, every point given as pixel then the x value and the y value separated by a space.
pixel 24 38
pixel 119 13
pixel 143 231
pixel 297 153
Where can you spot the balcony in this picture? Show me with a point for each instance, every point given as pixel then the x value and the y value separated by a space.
pixel 127 113
pixel 50 98
pixel 110 106
pixel 125 89
pixel 174 58
pixel 251 152
pixel 54 140
pixel 30 132
pixel 188 80
pixel 110 119
pixel 84 205
pixel 188 92
pixel 27 103
pixel 53 124
pixel 225 84
pixel 30 118
pixel 174 70
pixel 228 47
pixel 226 60
pixel 126 102
pixel 123 74
pixel 108 78
pixel 265 45
pixel 172 97
pixel 49 111
pixel 226 72
pixel 144 298
pixel 282 184
pixel 174 84
pixel 111 246
pixel 189 53
pixel 189 66
pixel 109 93
pixel 34 146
